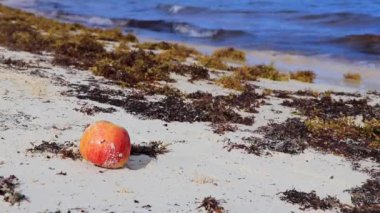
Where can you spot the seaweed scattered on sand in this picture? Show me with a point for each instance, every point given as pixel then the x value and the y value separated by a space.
pixel 339 136
pixel 212 62
pixel 366 199
pixel 254 146
pixel 151 149
pixel 327 108
pixel 218 109
pixel 8 190
pixel 366 195
pixel 89 109
pixel 211 205
pixel 230 54
pixel 303 76
pixel 264 71
pixel 19 64
pixel 82 52
pixel 223 127
pixel 196 72
pixel 309 200
pixel 289 137
pixel 65 150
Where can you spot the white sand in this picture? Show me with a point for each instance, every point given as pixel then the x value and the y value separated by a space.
pixel 196 166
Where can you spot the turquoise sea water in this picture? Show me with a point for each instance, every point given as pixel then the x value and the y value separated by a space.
pixel 348 29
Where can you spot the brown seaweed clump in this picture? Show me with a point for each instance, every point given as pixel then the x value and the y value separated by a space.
pixel 18 34
pixel 223 127
pixel 289 137
pixel 65 150
pixel 230 54
pixel 219 109
pixel 152 149
pixel 132 67
pixel 211 205
pixel 367 195
pixel 303 76
pixel 309 200
pixel 327 108
pixel 338 136
pixel 196 72
pixel 81 52
pixel 8 190
pixel 92 109
pixel 350 77
pixel 212 62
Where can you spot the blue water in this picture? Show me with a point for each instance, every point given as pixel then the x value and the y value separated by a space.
pixel 324 27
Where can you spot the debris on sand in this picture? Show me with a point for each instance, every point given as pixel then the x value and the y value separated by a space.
pixel 223 127
pixel 309 200
pixel 328 108
pixel 211 205
pixel 151 149
pixel 287 137
pixel 250 149
pixel 367 195
pixel 65 150
pixel 218 109
pixel 19 64
pixel 7 190
pixel 89 109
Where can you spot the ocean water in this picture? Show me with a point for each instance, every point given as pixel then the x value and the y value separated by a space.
pixel 347 29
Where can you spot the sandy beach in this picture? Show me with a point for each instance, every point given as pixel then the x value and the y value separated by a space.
pixel 240 150
pixel 33 109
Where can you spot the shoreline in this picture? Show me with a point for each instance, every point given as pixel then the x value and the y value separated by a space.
pixel 329 71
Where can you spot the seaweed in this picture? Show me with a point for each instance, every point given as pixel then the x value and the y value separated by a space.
pixel 217 109
pixel 14 63
pixel 196 72
pixel 231 82
pixel 326 107
pixel 289 137
pixel 92 109
pixel 154 45
pixel 152 149
pixel 18 34
pixel 263 71
pixel 352 78
pixel 81 52
pixel 230 54
pixel 211 205
pixel 339 136
pixel 310 200
pixel 8 190
pixel 251 146
pixel 212 62
pixel 237 79
pixel 223 127
pixel 366 195
pixel 132 67
pixel 65 150
pixel 303 76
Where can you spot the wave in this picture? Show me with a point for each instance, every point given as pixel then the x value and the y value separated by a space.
pixel 86 20
pixel 342 18
pixel 175 9
pixel 181 28
pixel 365 43
pixel 181 9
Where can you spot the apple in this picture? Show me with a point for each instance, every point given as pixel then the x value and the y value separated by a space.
pixel 106 145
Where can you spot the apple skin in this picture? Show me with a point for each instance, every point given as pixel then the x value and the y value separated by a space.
pixel 106 145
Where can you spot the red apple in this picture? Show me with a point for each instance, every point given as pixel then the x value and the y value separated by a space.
pixel 106 145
